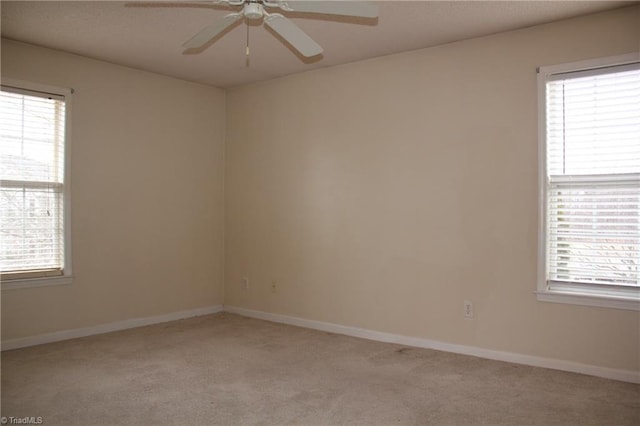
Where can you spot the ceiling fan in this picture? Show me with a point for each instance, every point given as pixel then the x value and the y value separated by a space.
pixel 256 10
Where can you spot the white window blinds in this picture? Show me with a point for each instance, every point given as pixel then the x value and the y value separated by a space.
pixel 593 176
pixel 32 136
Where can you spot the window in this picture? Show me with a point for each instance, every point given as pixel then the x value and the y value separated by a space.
pixel 590 183
pixel 34 196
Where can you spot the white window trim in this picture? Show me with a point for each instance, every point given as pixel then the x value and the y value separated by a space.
pixel 67 277
pixel 569 294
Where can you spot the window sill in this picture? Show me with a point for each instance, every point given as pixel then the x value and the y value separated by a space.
pixel 36 282
pixel 601 301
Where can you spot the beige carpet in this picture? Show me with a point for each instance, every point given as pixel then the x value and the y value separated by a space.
pixel 226 369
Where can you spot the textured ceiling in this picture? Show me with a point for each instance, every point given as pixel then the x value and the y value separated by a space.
pixel 150 36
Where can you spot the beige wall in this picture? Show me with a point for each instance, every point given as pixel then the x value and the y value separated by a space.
pixel 381 194
pixel 147 195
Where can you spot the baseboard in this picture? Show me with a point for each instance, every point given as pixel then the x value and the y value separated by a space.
pixel 535 361
pixel 609 373
pixel 106 328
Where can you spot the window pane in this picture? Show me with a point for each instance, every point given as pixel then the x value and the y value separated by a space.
pixel 31 221
pixel 32 131
pixel 595 231
pixel 593 124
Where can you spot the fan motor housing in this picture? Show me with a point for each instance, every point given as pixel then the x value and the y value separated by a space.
pixel 253 11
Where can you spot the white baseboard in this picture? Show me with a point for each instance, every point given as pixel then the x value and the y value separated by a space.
pixel 535 361
pixel 556 364
pixel 106 328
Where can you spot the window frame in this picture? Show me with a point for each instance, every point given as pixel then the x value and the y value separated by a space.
pixel 577 294
pixel 66 278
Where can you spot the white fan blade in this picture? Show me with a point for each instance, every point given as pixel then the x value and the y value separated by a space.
pixel 293 34
pixel 212 30
pixel 363 9
pixel 176 3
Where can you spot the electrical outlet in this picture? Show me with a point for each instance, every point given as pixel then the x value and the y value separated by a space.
pixel 245 283
pixel 468 309
pixel 273 287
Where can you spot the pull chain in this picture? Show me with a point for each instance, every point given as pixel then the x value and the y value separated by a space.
pixel 247 51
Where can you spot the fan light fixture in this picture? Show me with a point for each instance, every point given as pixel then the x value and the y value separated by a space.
pixel 253 11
